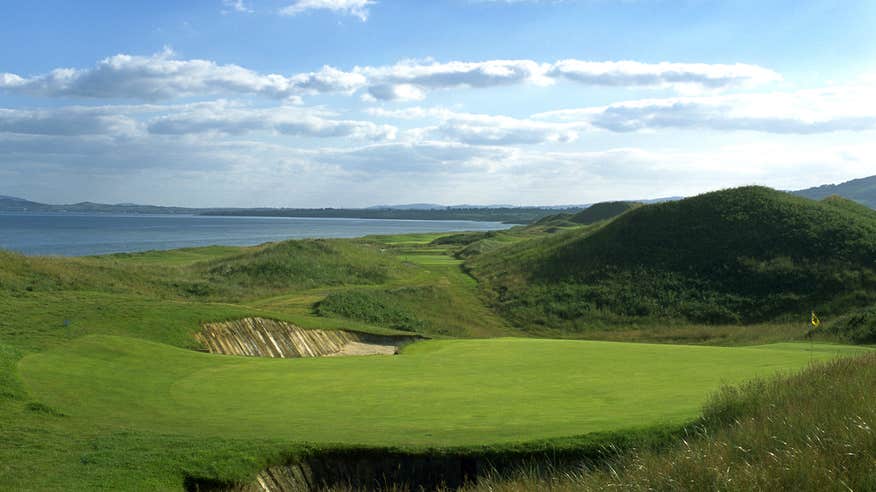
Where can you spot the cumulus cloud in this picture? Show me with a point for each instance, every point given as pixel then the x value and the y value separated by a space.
pixel 483 129
pixel 397 81
pixel 664 74
pixel 358 8
pixel 195 171
pixel 162 76
pixel 225 118
pixel 218 117
pixel 423 157
pixel 239 6
pixel 803 112
pixel 66 121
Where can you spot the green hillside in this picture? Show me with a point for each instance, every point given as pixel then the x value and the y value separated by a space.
pixel 742 255
pixel 860 190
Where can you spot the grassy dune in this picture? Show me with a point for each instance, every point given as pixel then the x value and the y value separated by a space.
pixel 740 256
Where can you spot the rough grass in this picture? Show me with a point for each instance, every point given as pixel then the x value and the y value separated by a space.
pixel 814 431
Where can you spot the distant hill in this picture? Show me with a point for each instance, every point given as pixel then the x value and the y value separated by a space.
pixel 860 190
pixel 590 215
pixel 513 215
pixel 741 255
pixel 408 206
pixel 602 211
pixel 15 204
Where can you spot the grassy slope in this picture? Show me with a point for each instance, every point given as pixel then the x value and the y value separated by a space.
pixel 813 432
pixel 749 254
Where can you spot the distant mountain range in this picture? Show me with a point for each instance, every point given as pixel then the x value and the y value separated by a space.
pixel 861 190
pixel 15 204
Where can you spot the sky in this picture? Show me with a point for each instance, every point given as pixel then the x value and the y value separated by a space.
pixel 351 103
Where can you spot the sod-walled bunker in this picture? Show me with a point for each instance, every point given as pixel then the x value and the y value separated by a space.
pixel 259 337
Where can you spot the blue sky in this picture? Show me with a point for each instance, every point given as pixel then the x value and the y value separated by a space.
pixel 355 102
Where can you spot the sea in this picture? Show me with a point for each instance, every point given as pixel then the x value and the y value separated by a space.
pixel 73 234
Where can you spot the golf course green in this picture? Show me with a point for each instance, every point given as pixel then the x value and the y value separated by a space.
pixel 440 393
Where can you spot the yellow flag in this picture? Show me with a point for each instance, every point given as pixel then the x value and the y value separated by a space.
pixel 815 321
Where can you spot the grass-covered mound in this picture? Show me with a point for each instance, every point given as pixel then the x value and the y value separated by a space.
pixel 302 264
pixel 602 211
pixel 390 308
pixel 740 255
pixel 813 431
pixel 595 213
pixel 216 273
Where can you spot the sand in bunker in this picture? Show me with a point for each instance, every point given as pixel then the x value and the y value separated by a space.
pixel 359 348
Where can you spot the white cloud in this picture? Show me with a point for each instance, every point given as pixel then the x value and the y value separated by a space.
pixel 503 130
pixel 208 169
pixel 226 118
pixel 685 76
pixel 847 108
pixel 394 92
pixel 218 117
pixel 66 121
pixel 162 76
pixel 422 157
pixel 483 129
pixel 416 77
pixel 239 6
pixel 358 8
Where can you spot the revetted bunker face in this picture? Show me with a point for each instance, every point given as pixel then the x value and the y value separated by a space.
pixel 259 337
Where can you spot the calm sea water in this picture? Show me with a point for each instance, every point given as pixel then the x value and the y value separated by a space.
pixel 92 234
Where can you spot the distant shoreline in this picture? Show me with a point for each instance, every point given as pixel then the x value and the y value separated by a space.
pixel 89 233
pixel 506 215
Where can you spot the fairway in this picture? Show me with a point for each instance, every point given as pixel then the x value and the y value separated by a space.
pixel 437 393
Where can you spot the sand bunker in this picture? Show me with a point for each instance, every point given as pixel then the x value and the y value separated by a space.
pixel 259 337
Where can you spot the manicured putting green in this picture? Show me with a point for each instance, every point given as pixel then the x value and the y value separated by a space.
pixel 437 393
